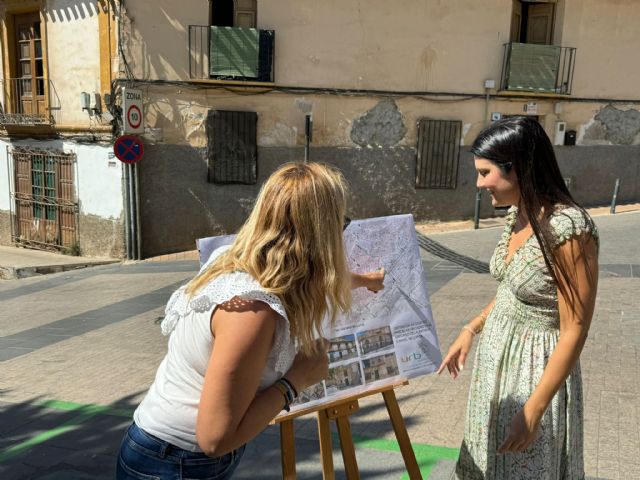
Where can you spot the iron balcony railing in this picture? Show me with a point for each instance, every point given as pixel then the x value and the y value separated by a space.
pixel 231 53
pixel 528 67
pixel 28 101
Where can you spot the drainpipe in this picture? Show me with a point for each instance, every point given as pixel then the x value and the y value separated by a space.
pixel 138 229
pixel 132 214
pixel 127 212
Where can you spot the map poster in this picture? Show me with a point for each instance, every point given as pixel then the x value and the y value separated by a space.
pixel 387 336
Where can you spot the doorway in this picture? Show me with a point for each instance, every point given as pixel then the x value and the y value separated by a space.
pixel 532 22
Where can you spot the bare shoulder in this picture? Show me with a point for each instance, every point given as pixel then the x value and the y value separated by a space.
pixel 244 315
pixel 247 305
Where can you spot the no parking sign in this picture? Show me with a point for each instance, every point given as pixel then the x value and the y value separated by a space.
pixel 132 110
pixel 128 149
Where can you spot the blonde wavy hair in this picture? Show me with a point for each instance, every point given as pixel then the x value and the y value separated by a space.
pixel 292 245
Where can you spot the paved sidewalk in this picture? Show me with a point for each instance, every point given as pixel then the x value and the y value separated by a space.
pixel 78 350
pixel 18 263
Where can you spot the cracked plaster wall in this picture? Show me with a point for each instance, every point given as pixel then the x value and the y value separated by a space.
pixel 614 126
pixel 382 126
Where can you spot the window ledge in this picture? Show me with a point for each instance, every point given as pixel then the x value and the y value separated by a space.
pixel 523 94
pixel 232 83
pixel 51 129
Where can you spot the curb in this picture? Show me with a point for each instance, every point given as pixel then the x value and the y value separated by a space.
pixel 16 273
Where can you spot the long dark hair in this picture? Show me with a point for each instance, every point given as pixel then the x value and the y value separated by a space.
pixel 521 144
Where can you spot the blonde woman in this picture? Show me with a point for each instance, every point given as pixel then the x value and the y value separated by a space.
pixel 232 364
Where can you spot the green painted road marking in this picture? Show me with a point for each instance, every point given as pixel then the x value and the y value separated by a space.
pixel 85 412
pixel 426 455
pixel 101 409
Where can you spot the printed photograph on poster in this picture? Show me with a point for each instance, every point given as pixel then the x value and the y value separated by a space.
pixel 380 367
pixel 342 348
pixel 343 377
pixel 375 340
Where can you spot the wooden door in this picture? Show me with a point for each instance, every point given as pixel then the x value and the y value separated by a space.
pixel 540 23
pixel 30 83
pixel 516 20
pixel 244 12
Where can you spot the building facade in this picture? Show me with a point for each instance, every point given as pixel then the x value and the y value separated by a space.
pixel 61 189
pixel 391 96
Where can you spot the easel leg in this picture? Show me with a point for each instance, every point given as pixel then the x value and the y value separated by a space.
pixel 348 452
pixel 326 449
pixel 287 450
pixel 402 436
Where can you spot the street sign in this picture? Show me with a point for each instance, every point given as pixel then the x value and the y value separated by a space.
pixel 128 149
pixel 132 110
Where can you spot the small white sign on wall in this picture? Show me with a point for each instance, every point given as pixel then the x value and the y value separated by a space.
pixel 531 108
pixel 132 110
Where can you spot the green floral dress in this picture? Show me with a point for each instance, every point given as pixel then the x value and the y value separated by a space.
pixel 518 338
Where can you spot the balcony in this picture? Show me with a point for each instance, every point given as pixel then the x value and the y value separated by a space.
pixel 231 53
pixel 528 67
pixel 28 101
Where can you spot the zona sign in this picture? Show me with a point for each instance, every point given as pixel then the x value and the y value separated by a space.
pixel 128 149
pixel 134 117
pixel 132 121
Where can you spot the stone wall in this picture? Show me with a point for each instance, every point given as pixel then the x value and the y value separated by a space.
pixel 178 205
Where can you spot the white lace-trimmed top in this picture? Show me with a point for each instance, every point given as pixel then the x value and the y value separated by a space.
pixel 170 407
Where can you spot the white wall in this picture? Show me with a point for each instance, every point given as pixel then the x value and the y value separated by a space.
pixel 73 54
pixel 99 182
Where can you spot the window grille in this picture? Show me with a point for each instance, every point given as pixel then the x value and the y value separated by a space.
pixel 232 147
pixel 438 153
pixel 44 206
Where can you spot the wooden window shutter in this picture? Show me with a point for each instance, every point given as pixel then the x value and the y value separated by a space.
pixel 232 147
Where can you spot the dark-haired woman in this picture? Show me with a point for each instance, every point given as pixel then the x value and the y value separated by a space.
pixel 525 408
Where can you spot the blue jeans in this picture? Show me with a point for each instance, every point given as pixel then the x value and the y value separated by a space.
pixel 145 457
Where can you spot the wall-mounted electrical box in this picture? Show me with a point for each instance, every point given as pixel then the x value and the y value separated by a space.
pixel 95 102
pixel 558 138
pixel 85 101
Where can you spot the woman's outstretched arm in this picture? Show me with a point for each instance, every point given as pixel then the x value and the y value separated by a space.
pixel 456 357
pixel 373 281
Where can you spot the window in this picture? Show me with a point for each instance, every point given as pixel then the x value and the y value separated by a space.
pixel 232 147
pixel 532 22
pixel 44 207
pixel 26 81
pixel 438 153
pixel 233 13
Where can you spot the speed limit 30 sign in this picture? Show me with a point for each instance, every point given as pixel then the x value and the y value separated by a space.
pixel 132 110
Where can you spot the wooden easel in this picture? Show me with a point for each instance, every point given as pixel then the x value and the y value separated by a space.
pixel 340 411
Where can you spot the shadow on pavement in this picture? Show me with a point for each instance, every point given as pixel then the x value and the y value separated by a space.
pixel 52 440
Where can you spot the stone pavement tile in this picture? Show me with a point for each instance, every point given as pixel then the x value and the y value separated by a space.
pixel 103 366
pixel 590 460
pixel 262 460
pixel 444 470
pixel 97 435
pixel 56 463
pixel 630 471
pixel 17 472
pixel 99 293
pixel 609 470
pixel 21 421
